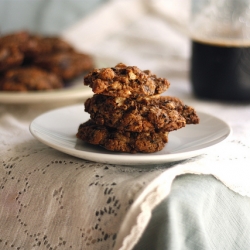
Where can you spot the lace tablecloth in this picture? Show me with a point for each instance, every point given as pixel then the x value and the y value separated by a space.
pixel 50 200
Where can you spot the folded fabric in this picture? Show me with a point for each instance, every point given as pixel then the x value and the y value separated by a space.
pixel 149 34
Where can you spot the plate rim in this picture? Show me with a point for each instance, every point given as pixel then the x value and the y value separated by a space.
pixel 68 93
pixel 139 159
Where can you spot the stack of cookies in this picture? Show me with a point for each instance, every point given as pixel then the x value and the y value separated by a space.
pixel 34 62
pixel 127 112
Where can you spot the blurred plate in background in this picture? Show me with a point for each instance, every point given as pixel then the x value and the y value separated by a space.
pixel 76 91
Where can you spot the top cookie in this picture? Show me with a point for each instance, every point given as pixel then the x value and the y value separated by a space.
pixel 125 81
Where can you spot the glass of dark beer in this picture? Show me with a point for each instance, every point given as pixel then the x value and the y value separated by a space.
pixel 220 52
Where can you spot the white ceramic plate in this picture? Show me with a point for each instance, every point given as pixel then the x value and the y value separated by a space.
pixel 76 91
pixel 57 129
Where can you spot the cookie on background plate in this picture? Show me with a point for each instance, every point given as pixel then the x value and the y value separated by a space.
pixel 29 78
pixel 10 56
pixel 67 65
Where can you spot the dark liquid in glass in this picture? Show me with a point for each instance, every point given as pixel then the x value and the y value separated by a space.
pixel 220 71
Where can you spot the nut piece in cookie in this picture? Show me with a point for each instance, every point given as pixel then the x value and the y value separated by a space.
pixel 67 65
pixel 30 78
pixel 143 114
pixel 125 81
pixel 122 141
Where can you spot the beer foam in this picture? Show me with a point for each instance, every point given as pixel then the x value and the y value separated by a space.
pixel 223 42
pixel 219 25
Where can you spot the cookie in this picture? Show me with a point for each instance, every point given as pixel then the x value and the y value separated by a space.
pixel 35 47
pixel 20 50
pixel 186 111
pixel 125 81
pixel 122 141
pixel 56 44
pixel 17 39
pixel 143 114
pixel 32 45
pixel 30 78
pixel 38 46
pixel 10 56
pixel 67 65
